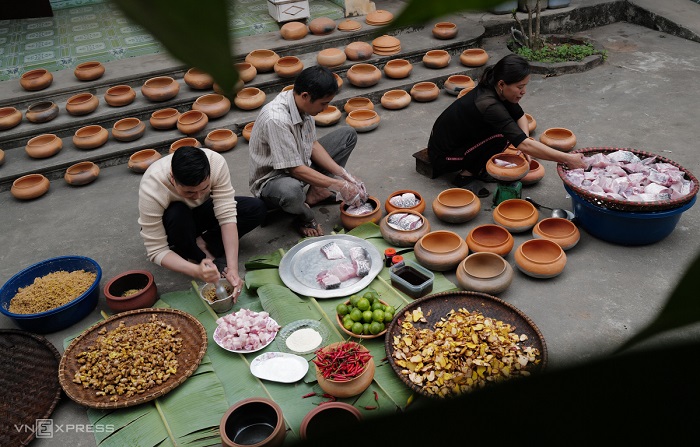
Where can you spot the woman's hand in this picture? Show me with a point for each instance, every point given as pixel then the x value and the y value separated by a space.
pixel 235 280
pixel 208 271
pixel 575 161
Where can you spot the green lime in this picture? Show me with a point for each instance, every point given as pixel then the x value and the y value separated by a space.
pixel 367 316
pixel 377 305
pixel 377 315
pixel 371 296
pixel 382 325
pixel 348 324
pixel 342 309
pixel 363 304
pixel 375 328
pixel 388 316
pixel 390 309
pixel 356 314
pixel 357 328
pixel 346 318
pixel 365 329
pixel 354 299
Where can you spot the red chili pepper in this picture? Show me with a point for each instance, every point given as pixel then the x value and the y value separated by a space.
pixel 369 407
pixel 312 394
pixel 376 396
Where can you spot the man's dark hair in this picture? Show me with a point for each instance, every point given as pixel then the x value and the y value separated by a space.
pixel 190 166
pixel 317 81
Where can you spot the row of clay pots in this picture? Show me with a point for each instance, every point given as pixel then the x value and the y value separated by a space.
pixel 32 186
pixel 296 30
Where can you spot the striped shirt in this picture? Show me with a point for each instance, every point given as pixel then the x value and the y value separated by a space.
pixel 156 193
pixel 281 139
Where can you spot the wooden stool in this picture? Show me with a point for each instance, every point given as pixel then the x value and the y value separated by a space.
pixel 423 165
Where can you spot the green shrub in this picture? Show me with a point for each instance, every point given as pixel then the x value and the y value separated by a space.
pixel 559 52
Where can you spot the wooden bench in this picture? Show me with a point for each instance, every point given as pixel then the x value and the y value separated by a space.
pixel 423 165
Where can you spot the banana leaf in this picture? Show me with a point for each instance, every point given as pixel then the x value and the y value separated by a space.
pixel 366 231
pixel 265 261
pixel 258 278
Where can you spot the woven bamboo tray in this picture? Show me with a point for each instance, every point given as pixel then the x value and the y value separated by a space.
pixel 194 345
pixel 438 305
pixel 29 388
pixel 623 205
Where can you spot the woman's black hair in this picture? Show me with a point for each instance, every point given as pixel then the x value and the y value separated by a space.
pixel 317 81
pixel 511 69
pixel 190 166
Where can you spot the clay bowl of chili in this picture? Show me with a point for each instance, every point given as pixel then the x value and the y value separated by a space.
pixel 344 369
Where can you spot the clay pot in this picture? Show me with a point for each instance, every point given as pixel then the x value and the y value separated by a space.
pixel 213 104
pixel 358 51
pixel 82 104
pixel 403 238
pixel 164 118
pixel 531 123
pixel 379 17
pixel 247 130
pixel 559 230
pixel 221 140
pixel 43 146
pixel 464 91
pixel 338 80
pixel 349 221
pixel 331 57
pixel 436 59
pixel 198 79
pixel 288 87
pixel 559 138
pixel 321 26
pixel 363 75
pixel 363 120
pixel 246 71
pixel 322 422
pixel 418 208
pixel 120 95
pixel 188 141
pixel 347 388
pixel 256 421
pixel 540 258
pixel 456 205
pixel 386 45
pixel 34 80
pixel 160 88
pixel 535 174
pixel 509 173
pixel 288 66
pixel 349 25
pixel 9 117
pixel 89 71
pixel 456 83
pixel 398 68
pixel 192 122
pixel 128 129
pixel 2 157
pixel 425 91
pixel 141 280
pixel 395 99
pixel 90 137
pixel 262 60
pixel 473 57
pixel 485 272
pixel 141 160
pixel 490 238
pixel 328 117
pixel 445 30
pixel 81 173
pixel 516 215
pixel 42 112
pixel 249 98
pixel 358 103
pixel 293 31
pixel 441 250
pixel 30 186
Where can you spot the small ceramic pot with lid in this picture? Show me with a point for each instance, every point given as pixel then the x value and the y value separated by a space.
pixel 128 129
pixel 81 173
pixel 485 272
pixel 358 51
pixel 490 238
pixel 516 215
pixel 540 258
pixel 321 26
pixel 82 104
pixel 456 205
pixel 89 71
pixel 331 57
pixel 293 31
pixel 441 250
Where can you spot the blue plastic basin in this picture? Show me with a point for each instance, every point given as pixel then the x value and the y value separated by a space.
pixel 61 317
pixel 625 227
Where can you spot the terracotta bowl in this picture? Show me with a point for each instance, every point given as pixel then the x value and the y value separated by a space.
pixel 221 140
pixel 164 118
pixel 485 272
pixel 535 174
pixel 398 68
pixel 133 280
pixel 246 71
pixel 559 138
pixel 338 80
pixel 141 160
pixel 363 120
pixel 198 79
pixel 187 141
pixel 540 258
pixel 288 87
pixel 255 421
pixel 89 71
pixel 363 75
pixel 9 117
pixel 30 186
pixel 516 169
pixel 128 129
pixel 445 30
pixel 37 79
pixel 42 112
pixel 263 60
pixel 358 51
pixel 348 388
pixel 249 98
pixel 456 83
pixel 559 230
pixel 531 123
pixel 288 66
pixel 425 91
pixel 358 103
pixel 395 99
pixel 339 320
pixel 473 57
pixel 2 157
pixel 490 238
pixel 456 205
pixel 192 121
pixel 328 117
pixel 247 130
pixel 43 146
pixel 213 104
pixel 464 91
pixel 82 104
pixel 90 137
pixel 119 95
pixel 403 238
pixel 321 26
pixel 322 422
pixel 350 221
pixel 419 208
pixel 516 215
pixel 160 88
pixel 436 59
pixel 441 250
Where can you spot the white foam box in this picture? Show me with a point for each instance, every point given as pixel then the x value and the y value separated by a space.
pixel 286 10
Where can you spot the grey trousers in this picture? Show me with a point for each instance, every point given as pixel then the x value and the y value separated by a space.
pixel 288 193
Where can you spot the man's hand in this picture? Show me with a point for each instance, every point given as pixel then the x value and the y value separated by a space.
pixel 208 271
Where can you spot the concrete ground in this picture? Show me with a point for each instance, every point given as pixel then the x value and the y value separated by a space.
pixel 643 97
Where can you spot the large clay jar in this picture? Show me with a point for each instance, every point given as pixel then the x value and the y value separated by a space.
pixel 531 123
pixel 363 75
pixel 358 103
pixel 440 250
pixel 221 140
pixel 164 118
pixel 398 237
pixel 456 83
pixel 363 120
pixel 425 91
pixel 249 98
pixel 90 137
pixel 120 95
pixel 30 186
pixel 321 422
pixel 395 99
pixel 535 174
pixel 9 117
pixel 262 60
pixel 490 238
pixel 192 122
pixel 507 167
pixel 321 26
pixel 485 272
pixel 34 80
pixel 445 30
pixel 351 221
pixel 559 230
pixel 398 68
pixel 331 57
pixel 213 104
pixel 187 141
pixel 358 51
pixel 160 88
pixel 436 59
pixel 347 388
pixel 559 138
pixel 456 205
pixel 246 71
pixel 473 57
pixel 43 146
pixel 198 79
pixel 81 173
pixel 128 129
pixel 288 66
pixel 293 31
pixel 255 421
pixel 141 160
pixel 540 258
pixel 418 207
pixel 328 117
pixel 516 215
pixel 89 71
pixel 140 281
pixel 42 112
pixel 82 104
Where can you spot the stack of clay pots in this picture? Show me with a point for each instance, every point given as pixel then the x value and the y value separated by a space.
pixel 386 45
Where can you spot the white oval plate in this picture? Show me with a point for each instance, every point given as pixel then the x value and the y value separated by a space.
pixel 279 367
pixel 217 339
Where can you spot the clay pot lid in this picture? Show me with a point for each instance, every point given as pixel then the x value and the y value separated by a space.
pixel 248 92
pixel 41 140
pixel 436 53
pixel 558 133
pixel 190 117
pixel 126 123
pixel 80 98
pixel 445 25
pixel 119 90
pixel 288 61
pixel 83 166
pixel 88 131
pixel 541 251
pixel 379 17
pixel 40 106
pixel 474 52
pixel 556 227
pixel 360 102
pixel 28 181
pixel 456 197
pixel 220 134
pixel 143 155
pixel 210 98
pixel 363 68
pixel 490 235
pixel 165 113
pixel 516 209
pixel 484 265
pixel 349 25
pixel 425 86
pixel 362 114
pixel 395 94
pixel 34 74
pixel 440 241
pixel 386 42
pixel 159 82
